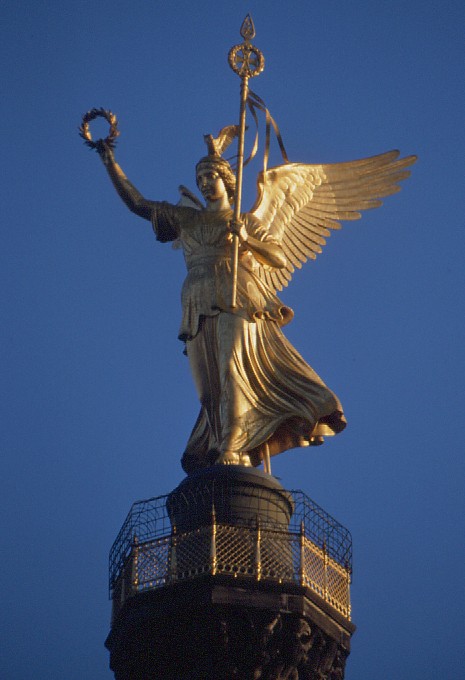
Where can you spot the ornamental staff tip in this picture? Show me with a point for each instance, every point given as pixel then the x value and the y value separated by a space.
pixel 248 28
pixel 245 59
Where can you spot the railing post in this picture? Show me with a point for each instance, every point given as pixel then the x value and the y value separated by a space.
pixel 349 606
pixel 173 566
pixel 135 565
pixel 325 572
pixel 302 554
pixel 213 557
pixel 258 556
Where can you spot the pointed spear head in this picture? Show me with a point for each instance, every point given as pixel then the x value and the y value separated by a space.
pixel 248 28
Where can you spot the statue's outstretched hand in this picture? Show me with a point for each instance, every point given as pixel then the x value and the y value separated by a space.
pixel 105 151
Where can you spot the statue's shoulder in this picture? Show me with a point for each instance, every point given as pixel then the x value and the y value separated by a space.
pixel 168 220
pixel 254 226
pixel 173 211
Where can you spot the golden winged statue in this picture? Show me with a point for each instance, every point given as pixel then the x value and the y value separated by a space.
pixel 258 397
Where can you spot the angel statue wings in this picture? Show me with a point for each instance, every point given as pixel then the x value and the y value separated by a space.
pixel 258 396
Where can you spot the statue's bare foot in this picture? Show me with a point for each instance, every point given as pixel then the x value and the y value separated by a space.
pixel 228 458
pixel 233 458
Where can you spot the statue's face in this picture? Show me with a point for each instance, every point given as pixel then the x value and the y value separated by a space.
pixel 210 184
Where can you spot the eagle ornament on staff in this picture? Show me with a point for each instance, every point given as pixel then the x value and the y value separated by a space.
pixel 258 396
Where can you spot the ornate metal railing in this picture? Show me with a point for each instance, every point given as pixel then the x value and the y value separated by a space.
pixel 315 551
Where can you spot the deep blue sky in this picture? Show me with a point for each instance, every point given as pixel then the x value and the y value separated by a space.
pixel 97 401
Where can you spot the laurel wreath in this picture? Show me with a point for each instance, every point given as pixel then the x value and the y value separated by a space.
pixel 84 130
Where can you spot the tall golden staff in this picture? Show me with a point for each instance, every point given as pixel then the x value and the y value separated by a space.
pixel 247 61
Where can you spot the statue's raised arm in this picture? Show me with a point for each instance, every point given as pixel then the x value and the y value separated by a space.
pixel 104 147
pixel 126 190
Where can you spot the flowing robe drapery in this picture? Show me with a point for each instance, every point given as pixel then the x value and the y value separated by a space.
pixel 254 387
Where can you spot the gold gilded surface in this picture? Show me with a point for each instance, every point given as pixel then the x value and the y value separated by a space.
pixel 258 396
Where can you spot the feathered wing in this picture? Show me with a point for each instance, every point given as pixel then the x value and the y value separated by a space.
pixel 187 199
pixel 300 204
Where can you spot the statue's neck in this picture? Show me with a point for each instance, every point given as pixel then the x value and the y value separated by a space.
pixel 220 205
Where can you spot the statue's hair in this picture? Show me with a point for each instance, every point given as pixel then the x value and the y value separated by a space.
pixel 224 169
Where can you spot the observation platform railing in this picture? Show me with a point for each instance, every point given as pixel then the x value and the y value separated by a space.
pixel 314 552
